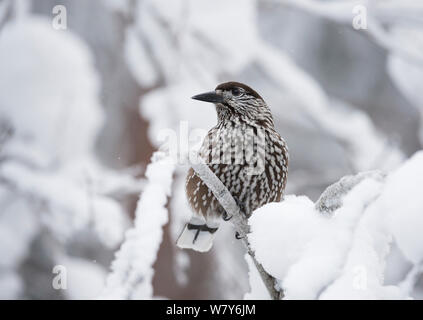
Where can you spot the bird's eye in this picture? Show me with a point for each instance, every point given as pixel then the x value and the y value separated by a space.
pixel 236 92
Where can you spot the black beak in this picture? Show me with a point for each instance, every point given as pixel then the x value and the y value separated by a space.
pixel 209 97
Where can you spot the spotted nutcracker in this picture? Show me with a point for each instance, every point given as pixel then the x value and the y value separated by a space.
pixel 245 152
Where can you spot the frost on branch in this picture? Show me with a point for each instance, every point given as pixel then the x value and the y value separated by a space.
pixel 344 255
pixel 132 269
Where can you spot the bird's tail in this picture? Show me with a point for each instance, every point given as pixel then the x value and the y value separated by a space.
pixel 198 234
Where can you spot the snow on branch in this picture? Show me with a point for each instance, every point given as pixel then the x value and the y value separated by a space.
pixel 331 199
pixel 338 247
pixel 238 219
pixel 132 269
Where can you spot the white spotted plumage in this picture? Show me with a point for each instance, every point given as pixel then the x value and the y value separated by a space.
pixel 228 138
pixel 244 137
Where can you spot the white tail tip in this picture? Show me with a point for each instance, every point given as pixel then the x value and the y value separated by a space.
pixel 197 235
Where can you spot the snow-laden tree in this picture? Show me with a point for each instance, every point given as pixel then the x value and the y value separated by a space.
pixel 343 246
pixel 347 101
pixel 52 189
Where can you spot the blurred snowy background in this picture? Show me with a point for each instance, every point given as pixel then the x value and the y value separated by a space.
pixel 83 109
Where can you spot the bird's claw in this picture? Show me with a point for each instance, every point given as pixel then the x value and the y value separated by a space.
pixel 238 236
pixel 226 217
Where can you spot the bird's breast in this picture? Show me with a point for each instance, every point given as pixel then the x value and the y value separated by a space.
pixel 251 162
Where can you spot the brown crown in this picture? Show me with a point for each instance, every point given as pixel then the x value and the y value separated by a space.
pixel 232 84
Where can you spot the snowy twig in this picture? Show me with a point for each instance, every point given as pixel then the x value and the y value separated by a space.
pixel 239 221
pixel 132 270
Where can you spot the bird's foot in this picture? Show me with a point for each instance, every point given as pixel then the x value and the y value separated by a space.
pixel 225 216
pixel 238 236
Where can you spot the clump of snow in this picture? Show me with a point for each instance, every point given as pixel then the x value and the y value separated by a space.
pixel 281 224
pixel 343 255
pixel 402 202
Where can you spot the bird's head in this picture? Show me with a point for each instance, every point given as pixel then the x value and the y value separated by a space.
pixel 235 99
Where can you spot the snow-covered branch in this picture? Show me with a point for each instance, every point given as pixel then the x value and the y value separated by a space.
pixel 331 199
pixel 132 269
pixel 342 253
